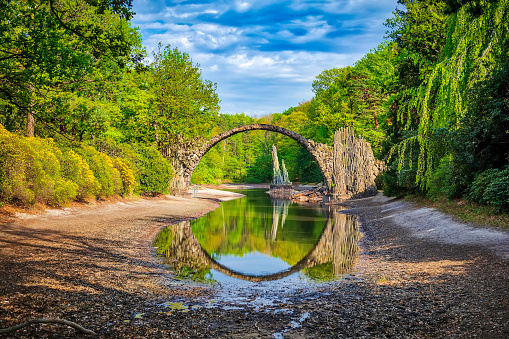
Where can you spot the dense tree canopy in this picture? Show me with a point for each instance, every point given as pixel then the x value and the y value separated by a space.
pixel 50 47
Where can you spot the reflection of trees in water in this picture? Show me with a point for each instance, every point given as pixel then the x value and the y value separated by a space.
pixel 337 249
pixel 333 255
pixel 180 247
pixel 279 212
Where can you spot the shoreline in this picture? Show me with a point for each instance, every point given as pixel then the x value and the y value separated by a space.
pixel 97 268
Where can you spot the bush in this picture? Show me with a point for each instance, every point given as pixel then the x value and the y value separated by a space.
pixel 38 170
pixel 491 187
pixel 442 183
pixel 400 183
pixel 103 169
pixel 76 169
pixel 155 172
pixel 31 171
pixel 150 172
pixel 127 176
pixel 49 183
pixel 126 154
pixel 15 158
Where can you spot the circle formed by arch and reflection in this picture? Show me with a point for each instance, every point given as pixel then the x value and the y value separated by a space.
pixel 333 249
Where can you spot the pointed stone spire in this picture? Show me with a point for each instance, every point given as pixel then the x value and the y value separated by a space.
pixel 277 178
pixel 286 180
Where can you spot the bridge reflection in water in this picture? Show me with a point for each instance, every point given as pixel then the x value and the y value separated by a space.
pixel 332 255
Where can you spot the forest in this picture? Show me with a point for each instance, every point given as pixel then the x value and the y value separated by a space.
pixel 84 110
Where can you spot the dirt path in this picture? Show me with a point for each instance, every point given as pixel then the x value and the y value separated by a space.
pixel 96 267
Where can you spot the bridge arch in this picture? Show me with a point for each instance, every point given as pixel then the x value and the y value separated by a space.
pixel 318 151
pixel 348 166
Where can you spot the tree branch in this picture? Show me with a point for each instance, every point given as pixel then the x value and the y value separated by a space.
pixel 47 321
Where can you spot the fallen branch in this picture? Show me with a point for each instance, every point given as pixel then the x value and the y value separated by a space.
pixel 305 193
pixel 46 321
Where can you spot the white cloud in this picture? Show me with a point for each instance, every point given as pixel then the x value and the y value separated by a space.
pixel 253 64
pixel 242 6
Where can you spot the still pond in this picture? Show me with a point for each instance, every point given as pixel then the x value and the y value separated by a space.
pixel 259 238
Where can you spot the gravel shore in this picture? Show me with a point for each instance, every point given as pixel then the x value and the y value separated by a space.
pixel 96 266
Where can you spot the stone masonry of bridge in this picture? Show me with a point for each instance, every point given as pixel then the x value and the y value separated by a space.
pixel 348 166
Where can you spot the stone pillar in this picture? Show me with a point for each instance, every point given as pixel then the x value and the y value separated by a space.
pixel 183 155
pixel 354 166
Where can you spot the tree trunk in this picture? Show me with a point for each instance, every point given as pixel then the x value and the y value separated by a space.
pixel 30 125
pixel 63 126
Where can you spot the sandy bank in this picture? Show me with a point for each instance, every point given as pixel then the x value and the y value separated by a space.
pixel 209 193
pixel 95 265
pixel 432 225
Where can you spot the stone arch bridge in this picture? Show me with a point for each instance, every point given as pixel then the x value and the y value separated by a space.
pixel 348 166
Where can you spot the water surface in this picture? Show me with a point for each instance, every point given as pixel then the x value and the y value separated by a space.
pixel 257 238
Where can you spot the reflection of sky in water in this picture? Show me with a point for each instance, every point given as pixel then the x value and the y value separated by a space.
pixel 254 263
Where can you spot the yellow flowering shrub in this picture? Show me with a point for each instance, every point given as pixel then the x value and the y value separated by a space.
pixel 102 167
pixel 39 170
pixel 15 155
pixel 76 169
pixel 31 171
pixel 127 176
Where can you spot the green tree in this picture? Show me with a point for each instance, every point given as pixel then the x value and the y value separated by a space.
pixel 476 45
pixel 481 141
pixel 48 47
pixel 184 103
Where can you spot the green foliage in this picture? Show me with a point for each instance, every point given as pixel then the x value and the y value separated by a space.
pixel 38 170
pixel 184 102
pixel 154 170
pixel 77 170
pixel 143 169
pixel 31 171
pixel 211 167
pixel 491 187
pixel 452 90
pixel 442 181
pixel 475 46
pixel 399 178
pixel 101 165
pixel 51 48
pixel 126 175
pixel 419 30
pixel 399 183
pixel 482 137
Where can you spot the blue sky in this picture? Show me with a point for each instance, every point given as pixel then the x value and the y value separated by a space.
pixel 264 54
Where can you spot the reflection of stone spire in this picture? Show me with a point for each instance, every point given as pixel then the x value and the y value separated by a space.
pixel 275 221
pixel 285 212
pixel 280 209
